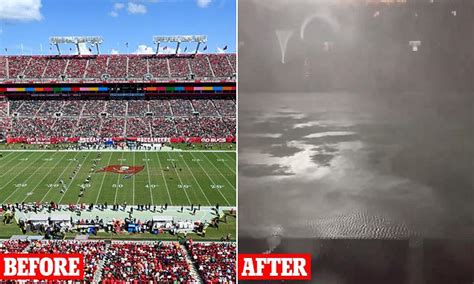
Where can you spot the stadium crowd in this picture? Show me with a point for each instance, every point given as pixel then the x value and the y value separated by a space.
pixel 3 108
pixel 215 261
pixel 35 67
pixel 76 67
pixel 137 66
pixel 118 118
pixel 145 262
pixel 93 252
pixel 158 67
pixel 93 67
pixel 5 121
pixel 13 246
pixel 55 67
pixel 200 66
pixel 141 261
pixel 3 67
pixel 221 65
pixel 97 67
pixel 179 67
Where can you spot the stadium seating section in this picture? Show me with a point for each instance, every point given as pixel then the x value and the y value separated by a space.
pixel 117 67
pixel 142 262
pixel 204 118
pixel 146 262
pixel 215 261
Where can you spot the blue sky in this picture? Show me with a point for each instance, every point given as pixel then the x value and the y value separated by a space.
pixel 29 23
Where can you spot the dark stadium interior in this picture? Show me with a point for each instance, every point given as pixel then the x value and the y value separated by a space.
pixel 370 53
pixel 359 150
pixel 379 261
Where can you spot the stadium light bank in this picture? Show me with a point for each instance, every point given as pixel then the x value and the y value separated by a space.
pixel 179 39
pixel 57 40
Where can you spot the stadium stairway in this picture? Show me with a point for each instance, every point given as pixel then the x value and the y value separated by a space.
pixel 98 272
pixel 28 247
pixel 210 66
pixel 192 268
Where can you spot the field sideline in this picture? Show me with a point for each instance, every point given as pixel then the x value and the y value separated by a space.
pixel 200 177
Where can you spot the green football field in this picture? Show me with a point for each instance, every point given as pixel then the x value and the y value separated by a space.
pixel 176 178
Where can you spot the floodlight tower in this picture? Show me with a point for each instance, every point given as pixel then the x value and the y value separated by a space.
pixel 200 39
pixel 57 47
pixel 76 40
pixel 179 39
pixel 415 44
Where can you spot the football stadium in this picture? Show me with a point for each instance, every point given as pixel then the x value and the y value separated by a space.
pixel 128 159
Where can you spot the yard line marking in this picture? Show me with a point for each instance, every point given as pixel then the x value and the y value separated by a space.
pixel 103 178
pixel 233 158
pixel 65 168
pixel 231 186
pixel 164 179
pixel 133 177
pixel 6 155
pixel 8 162
pixel 189 169
pixel 149 181
pixel 232 170
pixel 25 180
pixel 3 158
pixel 45 176
pixel 180 181
pixel 21 171
pixel 12 168
pixel 82 164
pixel 228 203
pixel 118 181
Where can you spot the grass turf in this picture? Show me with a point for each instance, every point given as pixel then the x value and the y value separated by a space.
pixel 206 178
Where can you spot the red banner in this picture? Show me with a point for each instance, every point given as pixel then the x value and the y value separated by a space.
pixel 153 139
pixel 55 140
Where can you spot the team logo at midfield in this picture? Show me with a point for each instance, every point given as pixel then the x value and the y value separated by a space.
pixel 121 169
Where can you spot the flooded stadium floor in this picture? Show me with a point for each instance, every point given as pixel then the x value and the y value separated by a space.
pixel 380 261
pixel 366 168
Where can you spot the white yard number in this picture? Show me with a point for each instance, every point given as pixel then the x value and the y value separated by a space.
pixel 51 185
pixel 184 186
pixel 117 185
pixel 221 160
pixel 146 160
pixel 24 159
pixel 151 186
pixel 21 185
pixel 96 159
pixel 217 186
pixel 171 160
pixel 47 159
pixel 122 159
